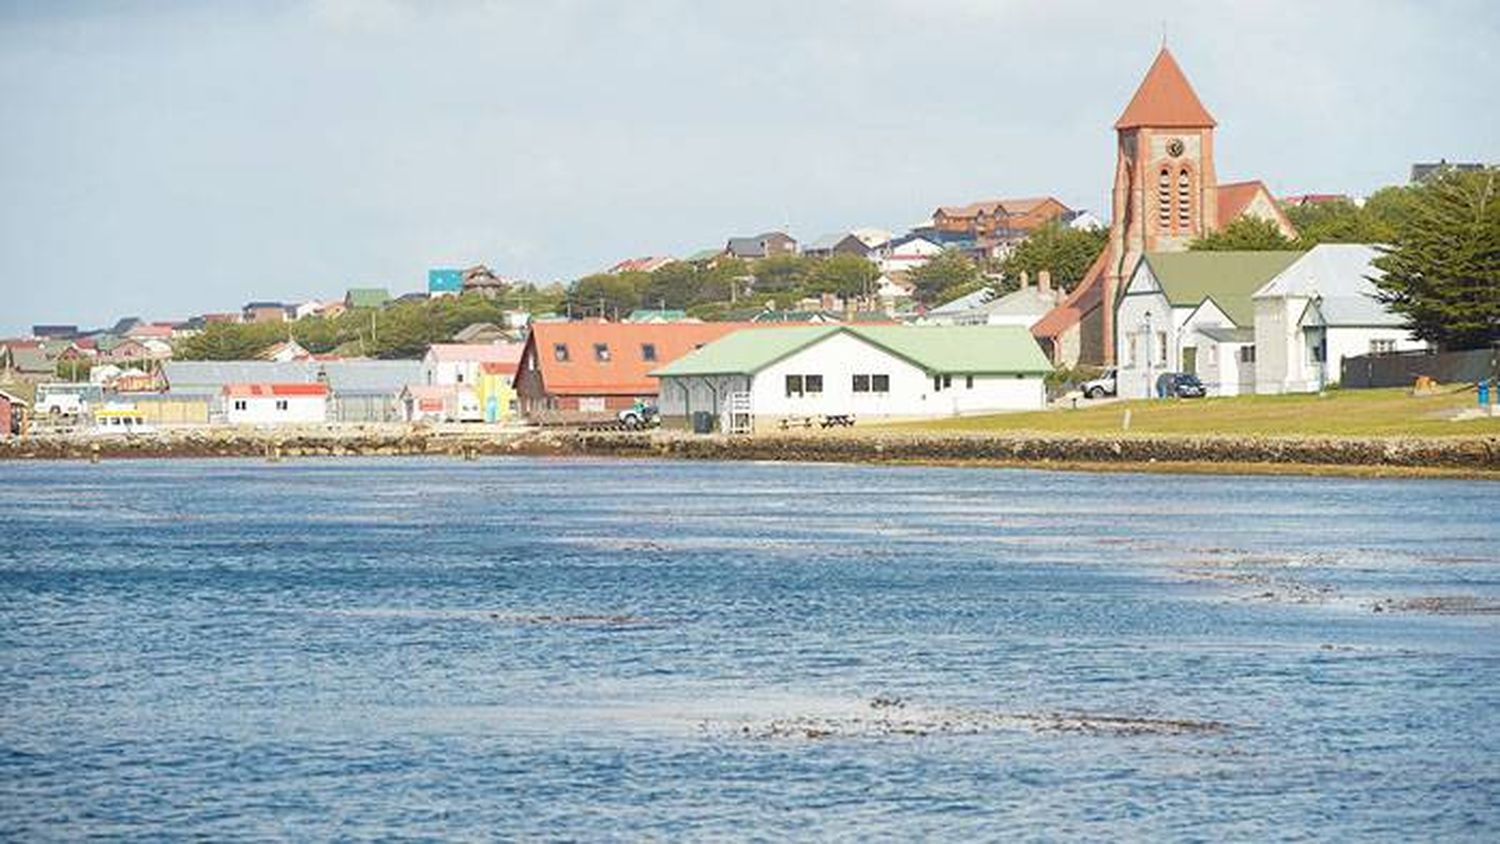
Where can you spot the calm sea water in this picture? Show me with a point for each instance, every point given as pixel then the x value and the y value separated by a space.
pixel 602 650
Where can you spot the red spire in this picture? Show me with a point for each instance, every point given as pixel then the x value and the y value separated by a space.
pixel 1165 100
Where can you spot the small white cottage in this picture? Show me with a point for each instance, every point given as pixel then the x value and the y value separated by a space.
pixel 1318 311
pixel 812 373
pixel 275 404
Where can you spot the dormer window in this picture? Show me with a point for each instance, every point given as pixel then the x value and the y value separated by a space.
pixel 648 351
pixel 560 352
pixel 601 352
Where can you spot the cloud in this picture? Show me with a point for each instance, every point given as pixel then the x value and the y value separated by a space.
pixel 195 156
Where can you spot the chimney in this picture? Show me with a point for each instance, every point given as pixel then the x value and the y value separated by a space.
pixel 1025 279
pixel 1044 281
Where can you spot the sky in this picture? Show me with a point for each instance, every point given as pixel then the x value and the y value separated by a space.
pixel 166 158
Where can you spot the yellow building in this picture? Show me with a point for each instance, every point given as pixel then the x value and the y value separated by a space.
pixel 496 393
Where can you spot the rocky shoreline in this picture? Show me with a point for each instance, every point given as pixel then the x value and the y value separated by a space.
pixel 1466 456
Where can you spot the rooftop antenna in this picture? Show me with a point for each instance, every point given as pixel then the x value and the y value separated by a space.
pixel 1164 33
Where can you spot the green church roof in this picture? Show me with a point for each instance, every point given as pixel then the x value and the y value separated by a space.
pixel 950 349
pixel 1228 278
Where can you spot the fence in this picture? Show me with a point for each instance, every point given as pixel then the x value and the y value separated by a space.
pixel 1400 369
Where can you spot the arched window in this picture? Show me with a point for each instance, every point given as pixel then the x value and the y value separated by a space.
pixel 1164 198
pixel 1184 198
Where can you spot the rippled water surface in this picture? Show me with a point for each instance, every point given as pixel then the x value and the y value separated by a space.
pixel 624 650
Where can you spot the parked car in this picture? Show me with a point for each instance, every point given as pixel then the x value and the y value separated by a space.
pixel 1182 385
pixel 639 415
pixel 1098 388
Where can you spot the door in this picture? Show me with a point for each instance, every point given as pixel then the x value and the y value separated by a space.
pixel 1190 359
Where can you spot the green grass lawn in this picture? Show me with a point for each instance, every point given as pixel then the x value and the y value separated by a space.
pixel 1392 412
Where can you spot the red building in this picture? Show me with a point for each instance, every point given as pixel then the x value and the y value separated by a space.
pixel 577 371
pixel 1166 195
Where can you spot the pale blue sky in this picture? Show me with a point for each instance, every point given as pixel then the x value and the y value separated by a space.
pixel 166 159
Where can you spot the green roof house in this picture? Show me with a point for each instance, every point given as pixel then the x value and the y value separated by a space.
pixel 1192 312
pixel 760 378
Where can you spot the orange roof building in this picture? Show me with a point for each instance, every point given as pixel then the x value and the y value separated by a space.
pixel 574 371
pixel 1166 195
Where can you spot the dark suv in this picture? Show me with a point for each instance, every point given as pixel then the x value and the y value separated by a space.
pixel 1182 385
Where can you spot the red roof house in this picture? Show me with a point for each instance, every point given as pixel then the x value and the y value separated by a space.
pixel 574 371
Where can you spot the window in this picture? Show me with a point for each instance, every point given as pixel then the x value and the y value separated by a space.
pixel 1164 198
pixel 968 382
pixel 794 386
pixel 591 404
pixel 281 404
pixel 648 351
pixel 601 352
pixel 1161 348
pixel 1184 198
pixel 813 383
pixel 941 382
pixel 241 404
pixel 1382 347
pixel 1130 345
pixel 459 377
pixel 861 383
pixel 880 383
pixel 560 352
pixel 1247 354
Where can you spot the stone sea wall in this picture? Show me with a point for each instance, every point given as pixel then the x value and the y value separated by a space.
pixel 1478 455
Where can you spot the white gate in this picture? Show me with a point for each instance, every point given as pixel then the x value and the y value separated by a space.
pixel 740 419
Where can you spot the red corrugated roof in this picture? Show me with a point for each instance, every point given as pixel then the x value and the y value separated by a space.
pixel 1079 302
pixel 1233 197
pixel 275 389
pixel 1165 99
pixel 626 371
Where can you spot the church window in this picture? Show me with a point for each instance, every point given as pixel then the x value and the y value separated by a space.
pixel 1164 198
pixel 1184 198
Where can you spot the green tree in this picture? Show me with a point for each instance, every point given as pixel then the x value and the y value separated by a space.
pixel 781 273
pixel 405 331
pixel 937 279
pixel 607 295
pixel 722 282
pixel 1245 234
pixel 1388 210
pixel 674 285
pixel 1065 252
pixel 842 275
pixel 1442 269
pixel 230 341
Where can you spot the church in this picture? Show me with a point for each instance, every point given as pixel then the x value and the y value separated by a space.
pixel 1166 194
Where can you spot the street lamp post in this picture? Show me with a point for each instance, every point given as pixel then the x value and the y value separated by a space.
pixel 1149 351
pixel 1322 347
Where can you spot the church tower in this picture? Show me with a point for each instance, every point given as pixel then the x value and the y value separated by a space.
pixel 1165 189
pixel 1166 195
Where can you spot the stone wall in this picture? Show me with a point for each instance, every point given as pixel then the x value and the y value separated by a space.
pixel 1478 455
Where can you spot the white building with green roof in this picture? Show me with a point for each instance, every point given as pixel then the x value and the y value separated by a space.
pixel 861 372
pixel 1192 312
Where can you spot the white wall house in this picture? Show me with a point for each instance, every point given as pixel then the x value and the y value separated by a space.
pixel 275 404
pixel 908 253
pixel 867 372
pixel 1317 312
pixel 1191 312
